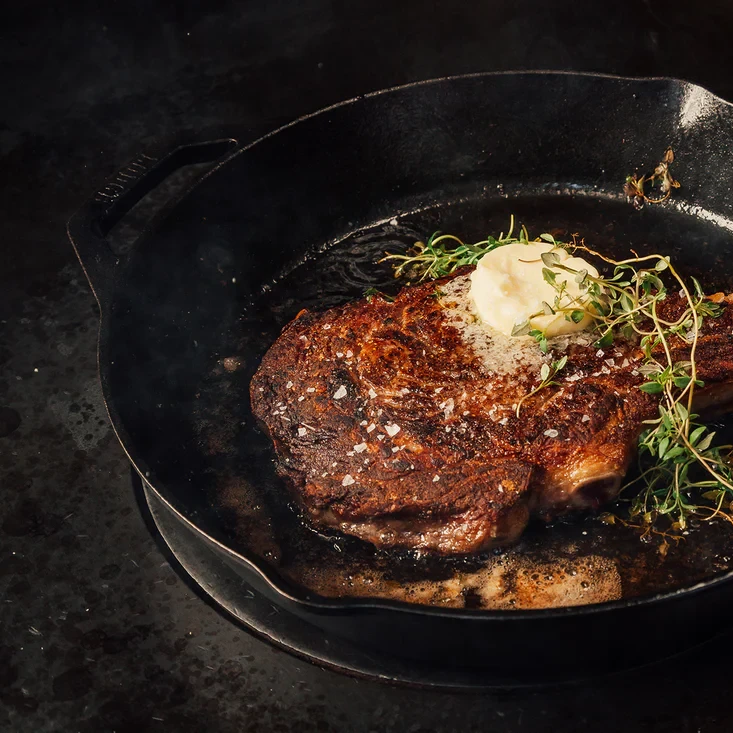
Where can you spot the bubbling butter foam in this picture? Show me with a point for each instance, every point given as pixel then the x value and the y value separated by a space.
pixel 508 288
pixel 497 352
pixel 510 582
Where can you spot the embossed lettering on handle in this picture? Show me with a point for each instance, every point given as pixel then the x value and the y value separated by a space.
pixel 121 182
pixel 89 227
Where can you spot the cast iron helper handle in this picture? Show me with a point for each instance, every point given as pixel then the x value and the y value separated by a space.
pixel 88 228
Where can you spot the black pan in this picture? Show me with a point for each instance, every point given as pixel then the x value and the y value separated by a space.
pixel 299 219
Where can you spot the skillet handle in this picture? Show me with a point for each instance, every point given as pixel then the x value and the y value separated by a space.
pixel 88 228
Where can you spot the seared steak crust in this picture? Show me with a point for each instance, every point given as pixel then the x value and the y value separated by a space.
pixel 391 426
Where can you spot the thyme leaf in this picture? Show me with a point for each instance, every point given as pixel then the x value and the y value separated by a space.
pixel 371 292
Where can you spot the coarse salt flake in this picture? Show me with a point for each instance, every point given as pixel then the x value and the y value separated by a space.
pixel 349 354
pixel 326 326
pixel 447 407
pixel 372 393
pixel 340 392
pixel 348 480
pixel 600 353
pixel 289 385
pixel 302 432
pixel 551 433
pixel 370 427
pixel 436 478
pixel 311 389
pixel 392 429
pixel 360 448
pixel 585 418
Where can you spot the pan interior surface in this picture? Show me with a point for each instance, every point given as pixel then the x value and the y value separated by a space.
pixel 203 297
pixel 576 561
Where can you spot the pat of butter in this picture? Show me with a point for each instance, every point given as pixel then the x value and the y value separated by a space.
pixel 507 288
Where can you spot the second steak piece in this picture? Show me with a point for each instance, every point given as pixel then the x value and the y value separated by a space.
pixel 397 421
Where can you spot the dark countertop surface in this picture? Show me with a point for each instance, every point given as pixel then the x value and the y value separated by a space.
pixel 97 632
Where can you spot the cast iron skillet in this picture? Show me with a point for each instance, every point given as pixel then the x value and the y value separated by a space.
pixel 298 219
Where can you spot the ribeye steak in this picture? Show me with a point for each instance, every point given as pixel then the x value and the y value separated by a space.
pixel 397 421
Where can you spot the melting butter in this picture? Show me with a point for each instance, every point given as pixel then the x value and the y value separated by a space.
pixel 508 289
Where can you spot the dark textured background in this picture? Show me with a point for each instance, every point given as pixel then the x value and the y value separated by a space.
pixel 97 633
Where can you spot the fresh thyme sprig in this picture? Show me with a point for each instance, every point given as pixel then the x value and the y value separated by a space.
pixel 548 372
pixel 445 253
pixel 682 474
pixel 683 459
